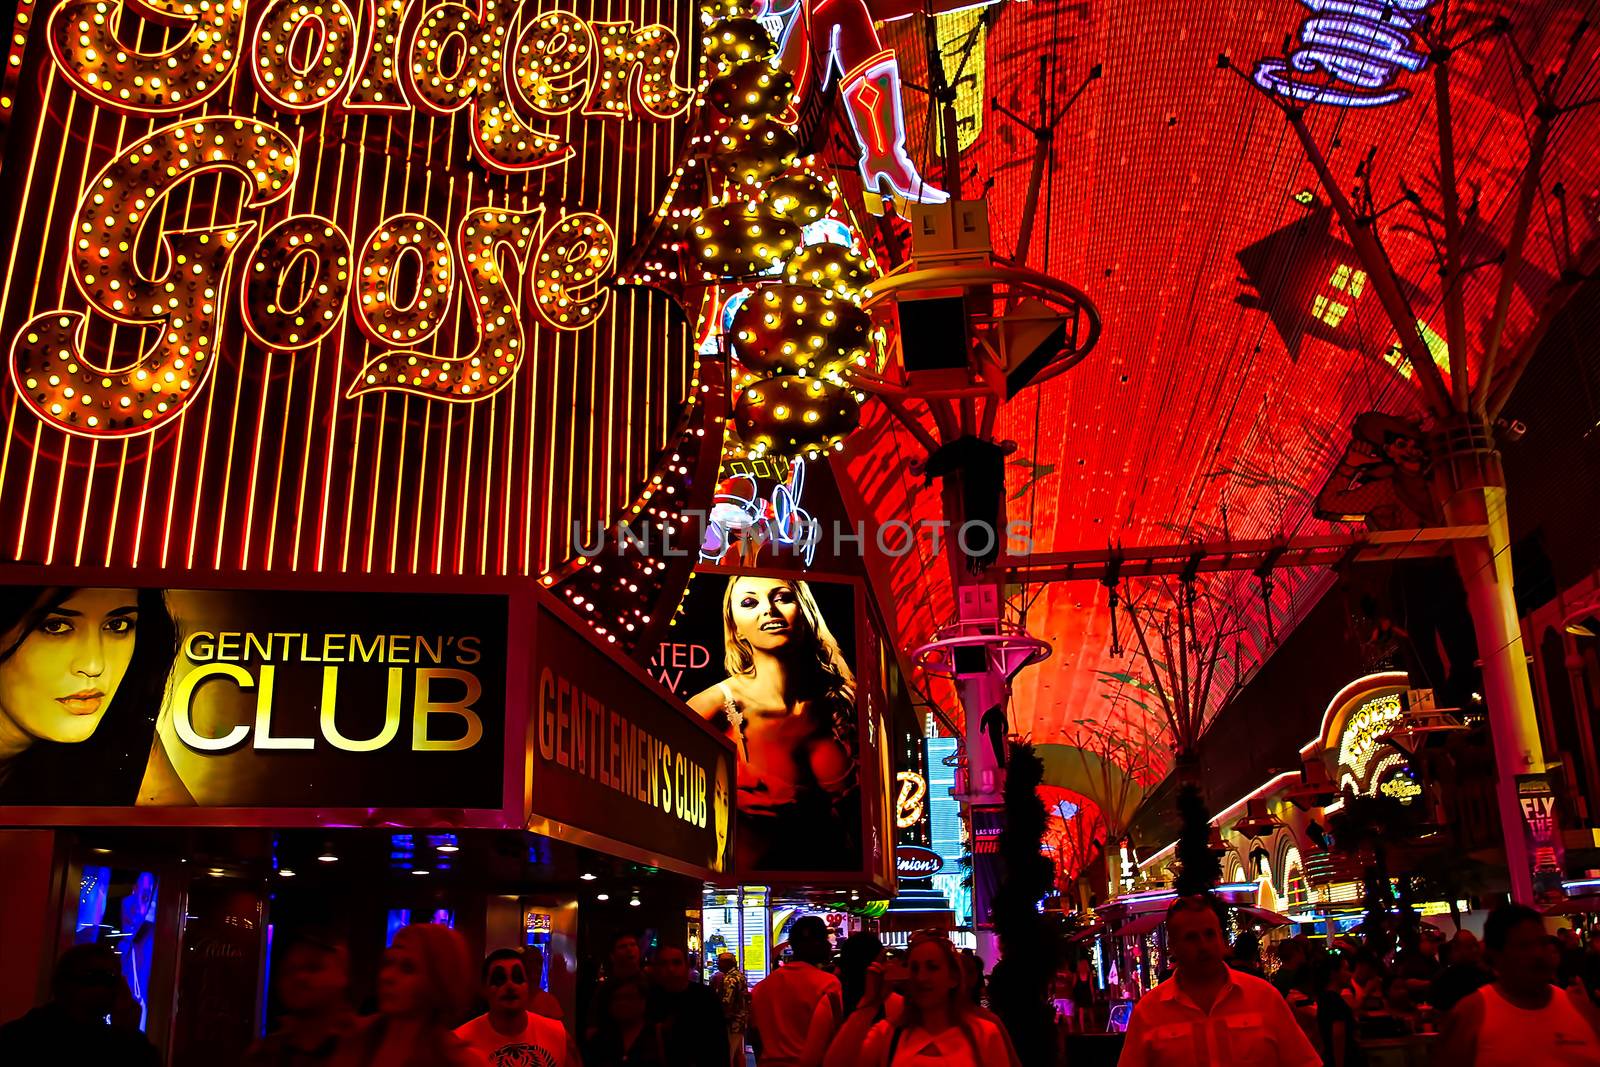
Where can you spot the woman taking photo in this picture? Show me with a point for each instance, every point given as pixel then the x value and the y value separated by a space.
pixel 425 987
pixel 936 1023
pixel 789 705
pixel 82 677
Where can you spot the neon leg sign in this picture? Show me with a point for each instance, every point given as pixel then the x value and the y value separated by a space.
pixel 838 36
pixel 1358 46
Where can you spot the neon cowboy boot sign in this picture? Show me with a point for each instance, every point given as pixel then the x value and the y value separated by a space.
pixel 869 80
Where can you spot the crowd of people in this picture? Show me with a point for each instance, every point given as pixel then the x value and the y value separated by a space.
pixel 863 1006
pixel 1521 996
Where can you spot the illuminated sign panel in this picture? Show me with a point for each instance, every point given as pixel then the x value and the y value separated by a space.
pixel 1364 730
pixel 1351 53
pixel 345 268
pixel 810 773
pixel 201 699
pixel 617 764
pixel 914 861
pixel 1354 741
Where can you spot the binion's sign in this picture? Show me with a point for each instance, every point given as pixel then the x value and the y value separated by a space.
pixel 914 861
pixel 398 179
pixel 1351 53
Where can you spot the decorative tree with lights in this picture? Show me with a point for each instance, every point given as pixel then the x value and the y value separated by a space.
pixel 1199 865
pixel 1183 631
pixel 1463 384
pixel 1111 763
pixel 1076 834
pixel 729 244
pixel 757 244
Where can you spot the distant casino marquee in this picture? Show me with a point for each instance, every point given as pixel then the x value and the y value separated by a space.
pixel 328 285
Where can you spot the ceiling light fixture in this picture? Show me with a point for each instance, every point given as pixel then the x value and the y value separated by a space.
pixel 633 901
pixel 602 897
pixel 285 872
pixel 588 876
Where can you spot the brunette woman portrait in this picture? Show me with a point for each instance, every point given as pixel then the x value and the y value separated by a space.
pixel 82 676
pixel 789 704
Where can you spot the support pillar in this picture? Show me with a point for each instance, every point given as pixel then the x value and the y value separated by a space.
pixel 985 778
pixel 1472 484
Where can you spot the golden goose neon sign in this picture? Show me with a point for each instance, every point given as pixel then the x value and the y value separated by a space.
pixel 518 74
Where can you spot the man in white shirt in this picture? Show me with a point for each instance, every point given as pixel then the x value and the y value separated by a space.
pixel 1206 1014
pixel 508 1034
pixel 796 1009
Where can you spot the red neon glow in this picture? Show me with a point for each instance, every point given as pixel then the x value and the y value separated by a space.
pixel 1218 398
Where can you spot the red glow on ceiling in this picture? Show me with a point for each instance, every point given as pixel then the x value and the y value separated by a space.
pixel 1241 338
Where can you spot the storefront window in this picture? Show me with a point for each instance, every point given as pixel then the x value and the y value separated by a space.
pixel 219 971
pixel 400 918
pixel 117 908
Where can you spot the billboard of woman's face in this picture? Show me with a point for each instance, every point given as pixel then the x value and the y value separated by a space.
pixel 138 697
pixel 82 672
pixel 771 665
pixel 58 678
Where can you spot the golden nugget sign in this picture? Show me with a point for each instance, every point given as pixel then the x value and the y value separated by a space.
pixel 244 140
pixel 1364 732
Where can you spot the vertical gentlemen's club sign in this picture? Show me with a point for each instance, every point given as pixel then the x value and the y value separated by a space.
pixel 320 206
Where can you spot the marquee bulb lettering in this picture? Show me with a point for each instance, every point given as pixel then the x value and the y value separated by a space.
pixel 496 308
pixel 302 54
pixel 296 282
pixel 87 44
pixel 518 72
pixel 76 389
pixel 909 804
pixel 512 69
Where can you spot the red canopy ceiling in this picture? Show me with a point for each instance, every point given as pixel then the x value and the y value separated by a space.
pixel 1223 388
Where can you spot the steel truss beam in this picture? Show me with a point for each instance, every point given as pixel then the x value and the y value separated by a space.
pixel 1260 556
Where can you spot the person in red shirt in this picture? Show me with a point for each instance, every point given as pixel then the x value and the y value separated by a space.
pixel 509 1034
pixel 796 1009
pixel 1206 1014
pixel 1522 1017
